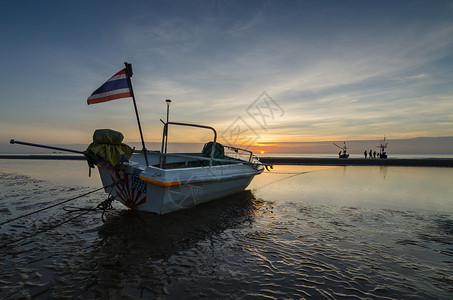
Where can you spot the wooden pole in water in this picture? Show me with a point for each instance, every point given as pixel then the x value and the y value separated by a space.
pixel 128 76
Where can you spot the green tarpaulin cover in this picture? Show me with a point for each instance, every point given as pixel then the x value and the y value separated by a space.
pixel 107 146
pixel 219 152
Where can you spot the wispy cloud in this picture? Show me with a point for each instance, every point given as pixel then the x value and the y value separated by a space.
pixel 338 70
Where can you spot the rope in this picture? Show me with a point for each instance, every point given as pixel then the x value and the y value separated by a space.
pixel 104 206
pixel 42 209
pixel 281 179
pixel 41 231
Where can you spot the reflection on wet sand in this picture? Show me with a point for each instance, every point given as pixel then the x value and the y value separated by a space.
pixel 161 236
pixel 314 232
pixel 137 245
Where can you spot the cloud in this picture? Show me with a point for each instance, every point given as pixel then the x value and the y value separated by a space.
pixel 337 70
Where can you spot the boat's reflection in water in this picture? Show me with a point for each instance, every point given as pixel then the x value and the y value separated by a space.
pixel 165 234
pixel 136 246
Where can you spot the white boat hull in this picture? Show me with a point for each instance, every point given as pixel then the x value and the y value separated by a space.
pixel 163 191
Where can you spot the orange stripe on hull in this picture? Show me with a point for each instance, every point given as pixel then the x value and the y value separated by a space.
pixel 160 183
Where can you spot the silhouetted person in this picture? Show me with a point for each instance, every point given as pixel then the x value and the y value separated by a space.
pixel 364 153
pixel 374 154
pixel 371 154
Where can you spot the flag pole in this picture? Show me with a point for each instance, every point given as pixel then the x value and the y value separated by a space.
pixel 128 76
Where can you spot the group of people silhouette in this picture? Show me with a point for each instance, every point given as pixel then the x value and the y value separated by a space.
pixel 371 154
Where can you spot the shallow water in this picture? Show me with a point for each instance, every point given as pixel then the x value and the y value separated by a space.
pixel 298 232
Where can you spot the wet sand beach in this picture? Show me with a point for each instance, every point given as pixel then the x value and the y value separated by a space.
pixel 310 232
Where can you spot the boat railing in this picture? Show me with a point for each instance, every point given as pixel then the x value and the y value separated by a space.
pixel 236 150
pixel 202 158
pixel 196 156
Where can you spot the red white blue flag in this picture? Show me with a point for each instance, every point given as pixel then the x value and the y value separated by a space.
pixel 115 88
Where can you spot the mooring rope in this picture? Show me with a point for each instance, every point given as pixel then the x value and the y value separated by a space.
pixel 41 231
pixel 63 202
pixel 104 206
pixel 281 179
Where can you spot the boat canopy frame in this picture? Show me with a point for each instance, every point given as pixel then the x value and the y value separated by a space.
pixel 210 158
pixel 165 138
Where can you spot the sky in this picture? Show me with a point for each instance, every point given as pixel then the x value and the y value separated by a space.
pixel 263 73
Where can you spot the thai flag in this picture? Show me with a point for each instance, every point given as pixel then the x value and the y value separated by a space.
pixel 114 88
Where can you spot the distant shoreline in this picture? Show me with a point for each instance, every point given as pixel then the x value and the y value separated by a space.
pixel 407 162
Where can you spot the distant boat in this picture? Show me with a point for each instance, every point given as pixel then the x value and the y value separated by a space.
pixel 382 146
pixel 342 153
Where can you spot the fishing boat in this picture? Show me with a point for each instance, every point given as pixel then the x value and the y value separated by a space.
pixel 174 181
pixel 382 146
pixel 157 181
pixel 160 182
pixel 342 153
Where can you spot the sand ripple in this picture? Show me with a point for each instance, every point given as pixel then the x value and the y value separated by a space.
pixel 240 247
